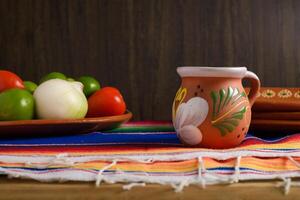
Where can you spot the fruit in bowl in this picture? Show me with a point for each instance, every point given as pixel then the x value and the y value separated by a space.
pixel 107 101
pixel 57 97
pixel 90 85
pixel 10 80
pixel 16 104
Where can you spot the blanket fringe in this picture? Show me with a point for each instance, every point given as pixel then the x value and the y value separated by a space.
pixel 179 187
pixel 236 175
pixel 59 160
pixel 100 176
pixel 294 161
pixel 286 184
pixel 131 185
pixel 202 178
pixel 201 171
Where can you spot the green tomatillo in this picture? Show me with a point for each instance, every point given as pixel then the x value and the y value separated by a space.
pixel 16 104
pixel 90 85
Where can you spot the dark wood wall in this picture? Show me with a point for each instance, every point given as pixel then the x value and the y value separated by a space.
pixel 137 45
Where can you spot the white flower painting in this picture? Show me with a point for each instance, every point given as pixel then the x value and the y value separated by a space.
pixel 188 117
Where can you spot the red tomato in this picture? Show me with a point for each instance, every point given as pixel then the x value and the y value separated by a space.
pixel 10 80
pixel 107 101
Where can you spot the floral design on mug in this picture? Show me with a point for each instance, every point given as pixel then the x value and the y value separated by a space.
pixel 227 121
pixel 180 95
pixel 297 94
pixel 285 93
pixel 268 93
pixel 187 119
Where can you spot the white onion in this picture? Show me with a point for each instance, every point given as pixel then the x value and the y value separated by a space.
pixel 60 99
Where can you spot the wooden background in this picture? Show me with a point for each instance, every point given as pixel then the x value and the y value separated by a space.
pixel 137 45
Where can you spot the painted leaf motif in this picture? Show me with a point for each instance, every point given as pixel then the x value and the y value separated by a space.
pixel 227 122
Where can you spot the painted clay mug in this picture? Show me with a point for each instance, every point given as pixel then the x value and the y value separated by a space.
pixel 211 108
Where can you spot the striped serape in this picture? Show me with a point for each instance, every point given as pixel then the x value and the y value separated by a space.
pixel 148 152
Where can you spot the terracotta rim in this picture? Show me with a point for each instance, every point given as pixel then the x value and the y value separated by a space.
pixel 115 118
pixel 198 71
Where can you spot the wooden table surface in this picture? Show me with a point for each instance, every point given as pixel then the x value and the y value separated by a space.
pixel 28 189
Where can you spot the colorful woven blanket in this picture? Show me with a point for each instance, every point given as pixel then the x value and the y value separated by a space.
pixel 148 152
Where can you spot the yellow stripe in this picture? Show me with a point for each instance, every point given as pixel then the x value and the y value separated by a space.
pixel 260 164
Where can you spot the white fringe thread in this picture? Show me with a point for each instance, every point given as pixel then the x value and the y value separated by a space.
pixel 179 187
pixel 294 161
pixel 59 160
pixel 287 182
pixel 100 176
pixel 200 179
pixel 236 175
pixel 201 171
pixel 131 185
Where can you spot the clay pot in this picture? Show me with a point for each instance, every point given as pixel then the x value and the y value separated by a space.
pixel 211 108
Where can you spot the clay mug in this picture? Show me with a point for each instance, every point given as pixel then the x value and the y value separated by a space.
pixel 211 108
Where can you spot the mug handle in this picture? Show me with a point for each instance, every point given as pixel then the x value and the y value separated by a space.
pixel 255 86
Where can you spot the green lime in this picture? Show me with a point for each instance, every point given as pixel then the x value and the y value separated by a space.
pixel 30 86
pixel 16 104
pixel 70 79
pixel 90 85
pixel 53 75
